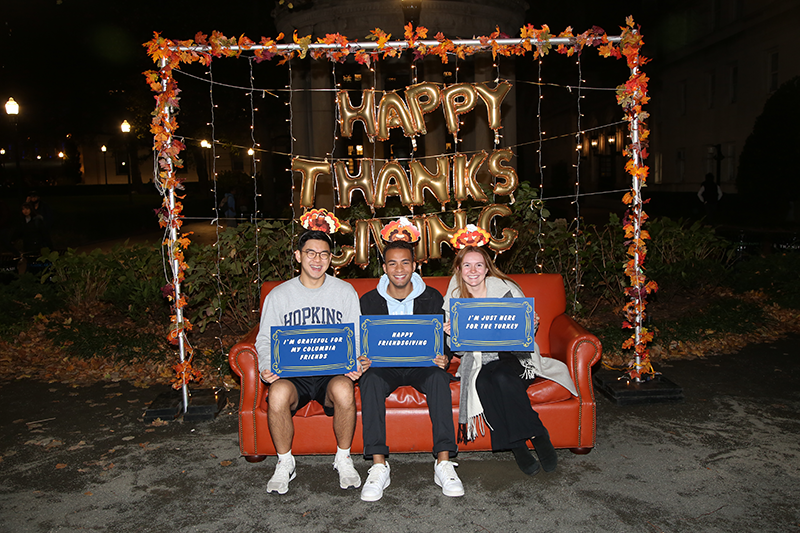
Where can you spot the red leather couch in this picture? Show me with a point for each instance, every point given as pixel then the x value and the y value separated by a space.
pixel 570 420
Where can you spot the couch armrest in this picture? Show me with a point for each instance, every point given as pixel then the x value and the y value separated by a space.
pixel 243 360
pixel 573 345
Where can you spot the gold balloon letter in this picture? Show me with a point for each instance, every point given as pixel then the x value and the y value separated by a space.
pixel 361 182
pixel 438 233
pixel 418 108
pixel 508 174
pixel 422 179
pixel 457 100
pixel 362 243
pixel 464 176
pixel 393 113
pixel 392 171
pixel 494 100
pixel 485 222
pixel 309 171
pixel 344 258
pixel 349 114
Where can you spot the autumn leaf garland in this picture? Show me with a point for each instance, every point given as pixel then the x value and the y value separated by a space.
pixel 631 96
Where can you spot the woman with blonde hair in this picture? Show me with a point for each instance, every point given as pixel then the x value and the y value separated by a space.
pixel 494 385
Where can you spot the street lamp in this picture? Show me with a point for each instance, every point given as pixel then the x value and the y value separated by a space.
pixel 12 107
pixel 411 11
pixel 12 110
pixel 126 128
pixel 105 165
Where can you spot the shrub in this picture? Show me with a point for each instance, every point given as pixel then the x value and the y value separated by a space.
pixel 130 278
pixel 230 293
pixel 23 299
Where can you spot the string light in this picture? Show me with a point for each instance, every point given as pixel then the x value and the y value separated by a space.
pixel 218 277
pixel 253 162
pixel 290 103
pixel 576 201
pixel 540 219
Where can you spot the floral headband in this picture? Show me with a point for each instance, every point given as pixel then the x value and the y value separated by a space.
pixel 400 230
pixel 320 220
pixel 472 235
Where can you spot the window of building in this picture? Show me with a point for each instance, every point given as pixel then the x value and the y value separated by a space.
pixel 680 164
pixel 730 163
pixel 711 89
pixel 716 14
pixel 772 80
pixel 711 159
pixel 682 97
pixel 658 175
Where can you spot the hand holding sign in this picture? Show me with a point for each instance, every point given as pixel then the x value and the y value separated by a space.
pixel 492 324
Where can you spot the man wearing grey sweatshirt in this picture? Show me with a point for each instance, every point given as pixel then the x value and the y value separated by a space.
pixel 314 297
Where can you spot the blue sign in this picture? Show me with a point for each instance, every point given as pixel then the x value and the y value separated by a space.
pixel 402 340
pixel 321 350
pixel 492 324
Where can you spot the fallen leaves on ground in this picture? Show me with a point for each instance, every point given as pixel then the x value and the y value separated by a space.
pixel 32 354
pixel 781 322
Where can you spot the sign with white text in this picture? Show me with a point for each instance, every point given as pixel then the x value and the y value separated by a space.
pixel 319 350
pixel 402 340
pixel 492 324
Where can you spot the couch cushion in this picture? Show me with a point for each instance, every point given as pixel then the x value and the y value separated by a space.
pixel 541 391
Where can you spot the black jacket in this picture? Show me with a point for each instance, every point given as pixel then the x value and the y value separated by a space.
pixel 430 302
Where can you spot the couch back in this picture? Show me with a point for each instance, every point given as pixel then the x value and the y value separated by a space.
pixel 546 289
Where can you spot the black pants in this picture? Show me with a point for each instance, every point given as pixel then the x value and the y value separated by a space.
pixel 508 410
pixel 378 383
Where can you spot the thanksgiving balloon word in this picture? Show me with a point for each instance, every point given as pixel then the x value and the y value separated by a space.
pixel 421 99
pixel 450 177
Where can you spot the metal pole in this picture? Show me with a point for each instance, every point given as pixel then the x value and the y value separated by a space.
pixel 637 230
pixel 175 264
pixel 401 45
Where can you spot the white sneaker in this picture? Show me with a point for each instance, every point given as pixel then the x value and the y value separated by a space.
pixel 377 481
pixel 348 475
pixel 444 474
pixel 284 473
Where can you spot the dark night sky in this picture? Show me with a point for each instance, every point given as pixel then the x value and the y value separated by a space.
pixel 64 61
pixel 75 65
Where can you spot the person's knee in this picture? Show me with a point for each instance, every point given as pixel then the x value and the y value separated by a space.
pixel 282 395
pixel 373 382
pixel 340 391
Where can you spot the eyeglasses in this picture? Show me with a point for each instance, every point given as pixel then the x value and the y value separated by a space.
pixel 313 254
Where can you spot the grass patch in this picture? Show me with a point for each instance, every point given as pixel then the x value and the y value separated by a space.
pixel 775 274
pixel 85 340
pixel 24 299
pixel 723 315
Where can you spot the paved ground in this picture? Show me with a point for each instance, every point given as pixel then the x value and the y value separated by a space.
pixel 725 459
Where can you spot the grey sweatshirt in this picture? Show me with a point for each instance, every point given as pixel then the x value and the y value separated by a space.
pixel 294 304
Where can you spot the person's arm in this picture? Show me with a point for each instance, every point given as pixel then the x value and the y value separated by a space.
pixel 351 312
pixel 269 318
pixel 700 193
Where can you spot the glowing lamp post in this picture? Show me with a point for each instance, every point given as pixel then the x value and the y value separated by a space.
pixel 12 110
pixel 126 128
pixel 105 165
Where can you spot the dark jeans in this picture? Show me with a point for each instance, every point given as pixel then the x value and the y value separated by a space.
pixel 508 410
pixel 378 383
